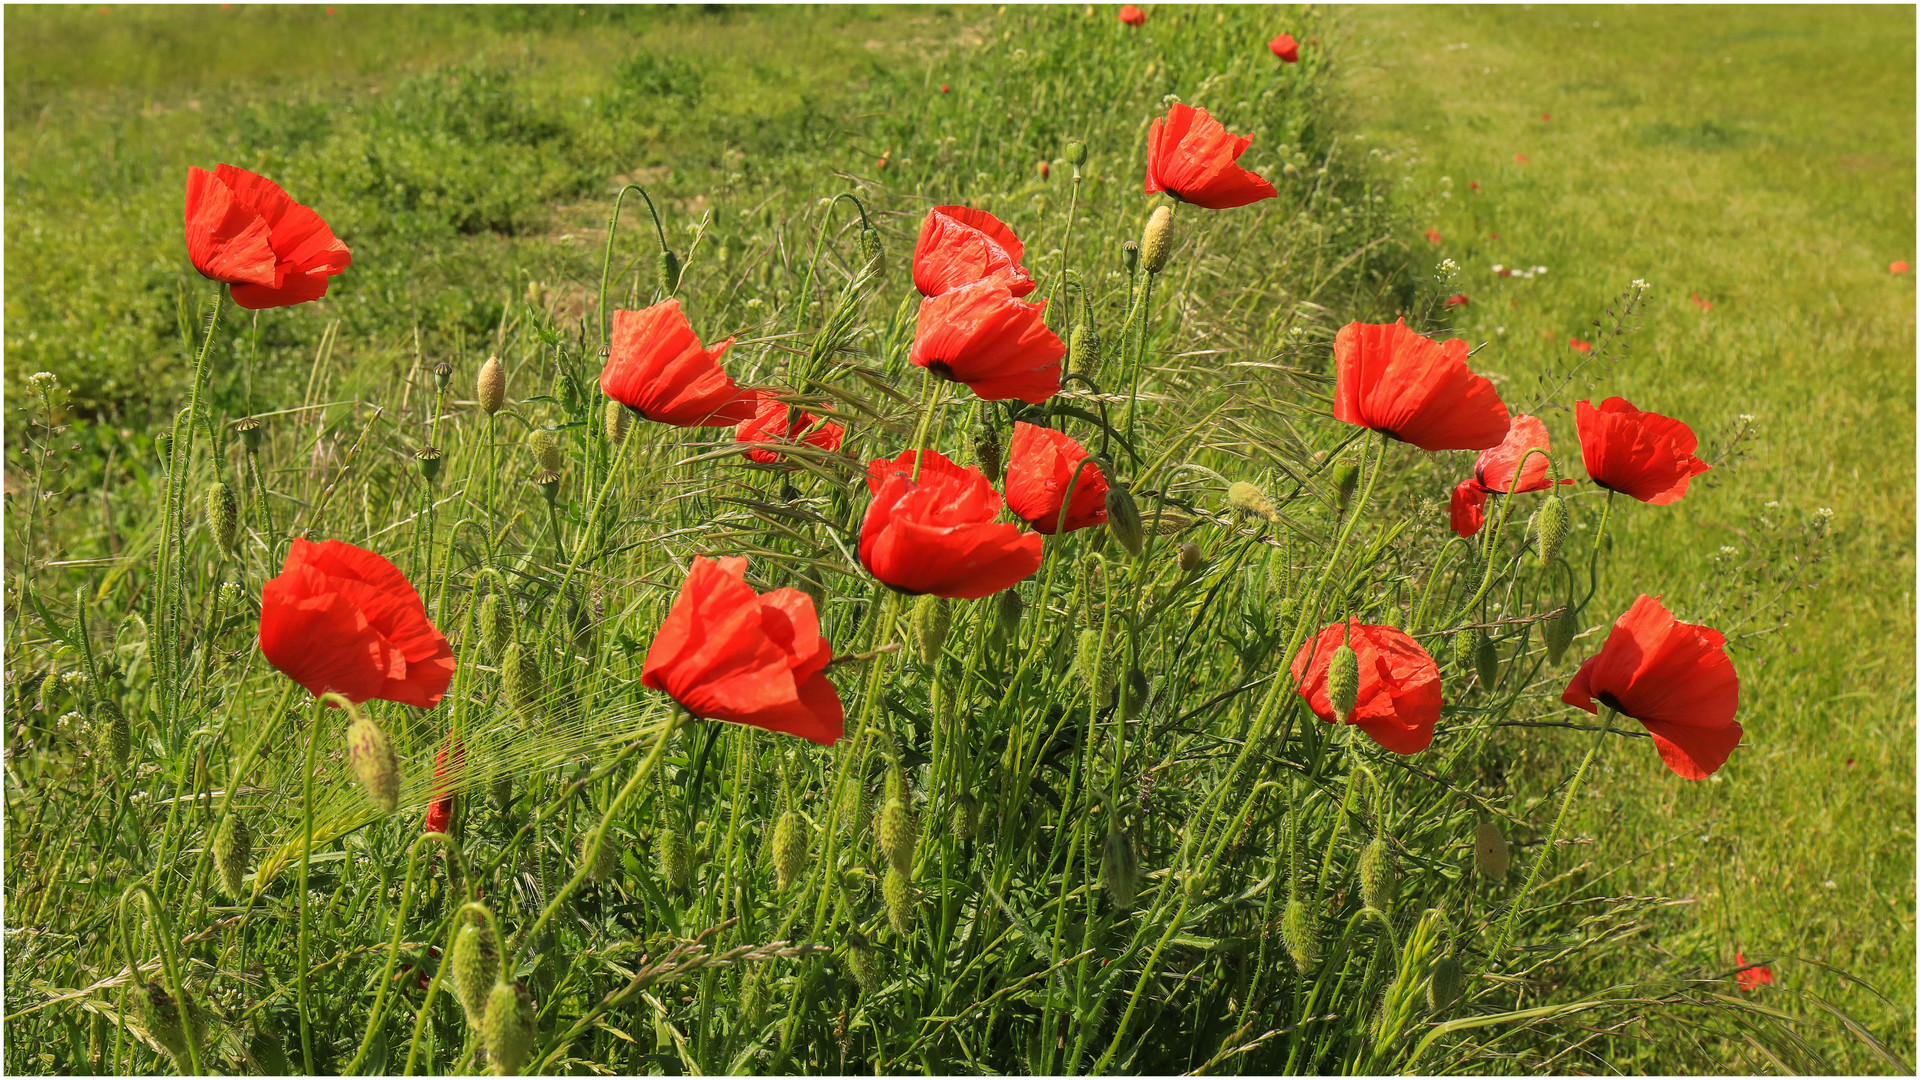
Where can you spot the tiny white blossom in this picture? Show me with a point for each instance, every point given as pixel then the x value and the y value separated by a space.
pixel 1641 284
pixel 1746 418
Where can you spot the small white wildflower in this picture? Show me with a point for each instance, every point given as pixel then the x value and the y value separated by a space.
pixel 1829 884
pixel 1824 512
pixel 1170 99
pixel 1772 504
pixel 42 379
pixel 1446 181
pixel 1746 418
pixel 754 302
pixel 1728 549
pixel 1449 267
pixel 1641 284
pixel 1497 267
pixel 1498 330
pixel 1539 269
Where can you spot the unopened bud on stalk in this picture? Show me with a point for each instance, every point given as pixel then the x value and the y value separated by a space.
pixel 669 271
pixel 115 737
pixel 546 449
pixel 790 841
pixel 1007 607
pixel 1486 662
pixel 1130 254
pixel 501 789
pixel 1343 680
pixel 1083 351
pixel 987 453
pixel 49 695
pixel 1137 693
pixel 1346 480
pixel 1123 519
pixel 898 834
pixel 675 858
pixel 1379 875
pixel 1279 571
pixel 1557 633
pixel 1119 869
pixel 233 854
pixel 1076 153
pixel 492 389
pixel 1490 851
pixel 223 516
pixel 864 963
pixel 1156 240
pixel 496 625
pixel 429 459
pixel 374 761
pixel 1466 648
pixel 932 619
pixel 1550 528
pixel 897 891
pixel 1445 984
pixel 966 817
pixel 249 429
pixel 161 1015
pixel 872 253
pixel 526 688
pixel 856 807
pixel 605 860
pixel 1190 558
pixel 619 422
pixel 509 1028
pixel 475 967
pixel 1095 667
pixel 1301 933
pixel 1249 499
pixel 442 375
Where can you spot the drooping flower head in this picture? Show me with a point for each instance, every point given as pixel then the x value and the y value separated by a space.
pixel 1493 473
pixel 244 230
pixel 1398 700
pixel 960 245
pixel 936 534
pixel 768 427
pixel 728 653
pixel 1673 677
pixel 1285 48
pixel 1039 470
pixel 1192 157
pixel 1416 390
pixel 658 369
pixel 342 619
pixel 979 334
pixel 1641 454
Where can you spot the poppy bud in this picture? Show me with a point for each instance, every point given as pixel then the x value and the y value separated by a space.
pixel 1076 153
pixel 790 841
pixel 932 618
pixel 223 516
pixel 1190 559
pixel 509 1029
pixel 669 271
pixel 871 253
pixel 549 484
pixel 897 891
pixel 492 386
pixel 1486 662
pixel 501 789
pixel 1490 851
pixel 1290 171
pixel 1301 933
pixel 546 450
pixel 1379 875
pixel 1346 479
pixel 1249 499
pixel 1444 985
pixel 1549 527
pixel 1194 883
pixel 619 422
pixel 442 375
pixel 897 834
pixel 232 854
pixel 1006 613
pixel 161 1016
pixel 1558 632
pixel 496 625
pixel 1156 240
pixel 115 738
pixel 374 761
pixel 1466 648
pixel 526 688
pixel 1137 693
pixel 1123 519
pixel 856 807
pixel 249 429
pixel 987 452
pixel 163 445
pixel 475 967
pixel 674 856
pixel 966 817
pixel 605 861
pixel 1118 869
pixel 1095 667
pixel 49 696
pixel 864 963
pixel 1343 680
pixel 1130 254
pixel 1083 351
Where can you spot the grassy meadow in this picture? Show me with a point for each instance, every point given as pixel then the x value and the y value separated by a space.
pixel 1099 883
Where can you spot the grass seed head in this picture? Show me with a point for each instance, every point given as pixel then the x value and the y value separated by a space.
pixel 223 516
pixel 1549 528
pixel 1156 240
pixel 508 1029
pixel 475 967
pixel 374 761
pixel 1490 858
pixel 492 386
pixel 233 854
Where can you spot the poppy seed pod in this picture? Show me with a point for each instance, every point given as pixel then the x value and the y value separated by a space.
pixel 966 817
pixel 674 856
pixel 249 429
pixel 1343 680
pixel 1083 351
pixel 619 422
pixel 1249 499
pixel 492 387
pixel 223 516
pixel 1445 984
pixel 1119 869
pixel 509 1029
pixel 1156 240
pixel 526 688
pixel 605 860
pixel 429 459
pixel 1301 933
pixel 1486 662
pixel 233 854
pixel 871 251
pixel 1490 851
pixel 790 841
pixel 1379 875
pixel 1190 558
pixel 475 967
pixel 374 762
pixel 1007 607
pixel 897 834
pixel 1076 153
pixel 161 1016
pixel 549 485
pixel 1557 633
pixel 545 446
pixel 988 455
pixel 897 891
pixel 1123 519
pixel 932 619
pixel 1549 527
pixel 442 375
pixel 1346 479
pixel 1130 254
pixel 669 271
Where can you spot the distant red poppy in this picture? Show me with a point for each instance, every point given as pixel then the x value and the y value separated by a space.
pixel 1521 159
pixel 944 88
pixel 1673 677
pixel 1046 171
pixel 959 245
pixel 244 230
pixel 1191 157
pixel 1491 235
pixel 658 369
pixel 1582 347
pixel 1132 16
pixel 1641 454
pixel 1898 267
pixel 1000 347
pixel 1751 978
pixel 1285 48
pixel 1546 118
pixel 1703 305
pixel 1040 466
pixel 342 619
pixel 937 535
pixel 1458 300
pixel 446 777
pixel 1493 473
pixel 1475 186
pixel 768 427
pixel 1433 236
pixel 1419 391
pixel 728 653
pixel 1399 699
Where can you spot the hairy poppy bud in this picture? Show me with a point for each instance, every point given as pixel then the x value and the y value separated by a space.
pixel 496 625
pixel 1096 667
pixel 1007 607
pixel 233 854
pixel 605 861
pixel 1343 680
pixel 966 817
pixel 1486 662
pixel 249 429
pixel 374 762
pixel 223 516
pixel 1346 479
pixel 1076 153
pixel 1301 933
pixel 509 1029
pixel 526 688
pixel 1130 254
pixel 987 452
pixel 49 695
pixel 546 449
pixel 1557 632
pixel 492 390
pixel 1123 519
pixel 856 807
pixel 674 856
pixel 1083 351
pixel 475 967
pixel 872 254
pixel 1137 693
pixel 1489 851
pixel 1379 875
pixel 501 789
pixel 1465 647
pixel 1445 984
pixel 1279 571
pixel 897 891
pixel 790 841
pixel 932 618
pixel 1249 499
pixel 1290 171
pixel 669 271
pixel 429 459
pixel 1156 240
pixel 619 422
pixel 864 963
pixel 115 738
pixel 898 834
pixel 442 375
pixel 1119 868
pixel 161 1015
pixel 163 446
pixel 1549 527
pixel 1190 558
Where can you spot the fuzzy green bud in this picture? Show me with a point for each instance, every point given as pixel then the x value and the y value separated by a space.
pixel 1445 984
pixel 49 695
pixel 491 387
pixel 865 964
pixel 1346 480
pixel 1279 571
pixel 526 688
pixel 1465 647
pixel 1190 558
pixel 115 737
pixel 1083 351
pixel 1379 875
pixel 932 619
pixel 966 817
pixel 988 455
pixel 545 446
pixel 233 854
pixel 1486 662
pixel 1076 153
pixel 1096 667
pixel 1249 499
pixel 509 1028
pixel 619 422
pixel 1300 931
pixel 374 762
pixel 1343 680
pixel 673 856
pixel 475 967
pixel 898 834
pixel 223 516
pixel 1137 693
pixel 1119 869
pixel 605 861
pixel 1557 633
pixel 669 271
pixel 1007 607
pixel 1156 240
pixel 163 1018
pixel 1123 519
pixel 1549 528
pixel 1490 858
pixel 496 625
pixel 872 253
pixel 791 838
pixel 501 790
pixel 429 459
pixel 902 909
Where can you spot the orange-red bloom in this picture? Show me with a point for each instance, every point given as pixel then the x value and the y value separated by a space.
pixel 1039 468
pixel 341 619
pixel 1493 473
pixel 1399 699
pixel 1458 300
pixel 1132 16
pixel 768 427
pixel 658 369
pixel 726 652
pixel 1642 454
pixel 979 334
pixel 1898 266
pixel 936 534
pixel 959 245
pixel 1754 977
pixel 446 776
pixel 1191 156
pixel 244 230
pixel 1419 391
pixel 1673 677
pixel 1285 48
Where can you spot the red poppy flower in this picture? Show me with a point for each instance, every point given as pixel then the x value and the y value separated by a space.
pixel 1285 48
pixel 1703 305
pixel 1458 300
pixel 1392 380
pixel 1433 236
pixel 1493 473
pixel 769 427
pixel 980 335
pixel 1642 454
pixel 1752 978
pixel 1521 159
pixel 1546 118
pixel 1475 185
pixel 1898 266
pixel 1673 677
pixel 1581 347
pixel 1399 699
pixel 342 619
pixel 936 534
pixel 1132 16
pixel 945 89
pixel 1191 157
pixel 960 245
pixel 658 369
pixel 446 776
pixel 244 230
pixel 726 652
pixel 1039 467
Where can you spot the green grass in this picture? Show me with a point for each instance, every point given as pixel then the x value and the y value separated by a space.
pixel 1761 159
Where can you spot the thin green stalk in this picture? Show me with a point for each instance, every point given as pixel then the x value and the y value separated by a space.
pixel 1546 850
pixel 168 960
